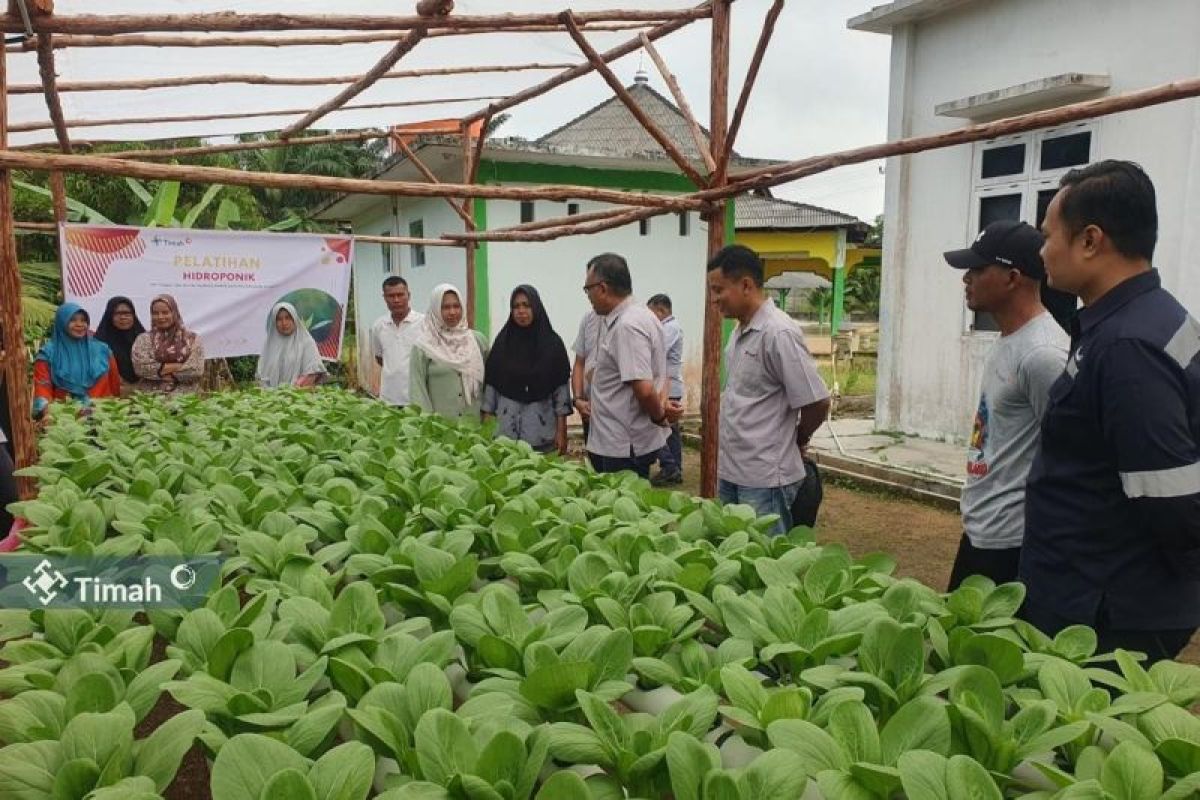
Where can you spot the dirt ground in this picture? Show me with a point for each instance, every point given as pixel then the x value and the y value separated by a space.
pixel 923 539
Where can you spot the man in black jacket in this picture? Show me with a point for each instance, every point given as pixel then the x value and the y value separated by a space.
pixel 1112 536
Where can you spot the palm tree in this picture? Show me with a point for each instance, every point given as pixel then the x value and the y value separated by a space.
pixel 335 159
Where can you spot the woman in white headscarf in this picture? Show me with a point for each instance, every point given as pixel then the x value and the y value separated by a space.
pixel 289 357
pixel 446 374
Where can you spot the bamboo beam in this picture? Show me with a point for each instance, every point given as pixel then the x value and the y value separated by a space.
pixel 99 165
pixel 615 220
pixel 702 11
pixel 169 40
pixel 710 393
pixel 260 144
pixel 652 128
pixel 97 123
pixel 537 225
pixel 15 361
pixel 426 10
pixel 760 50
pixel 429 176
pixel 407 240
pixel 681 101
pixel 275 80
pixel 229 22
pixel 766 177
pixel 45 57
pixel 37 227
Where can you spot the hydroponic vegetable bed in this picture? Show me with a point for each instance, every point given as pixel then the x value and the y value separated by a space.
pixel 411 611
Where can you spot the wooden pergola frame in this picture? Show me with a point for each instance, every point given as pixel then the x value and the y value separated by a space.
pixel 434 18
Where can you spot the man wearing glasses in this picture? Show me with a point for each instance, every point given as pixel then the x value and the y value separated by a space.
pixel 630 413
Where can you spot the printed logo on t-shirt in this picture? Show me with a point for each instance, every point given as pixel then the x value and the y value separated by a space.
pixel 977 466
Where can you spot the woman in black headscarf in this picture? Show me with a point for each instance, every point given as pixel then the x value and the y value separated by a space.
pixel 527 377
pixel 118 329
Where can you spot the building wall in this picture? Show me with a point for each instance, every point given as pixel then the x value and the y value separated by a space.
pixel 662 261
pixel 930 363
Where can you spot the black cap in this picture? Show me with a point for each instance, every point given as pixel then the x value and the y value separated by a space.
pixel 1008 243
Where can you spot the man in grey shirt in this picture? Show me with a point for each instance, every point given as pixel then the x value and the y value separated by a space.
pixel 774 399
pixel 630 413
pixel 670 458
pixel 1003 276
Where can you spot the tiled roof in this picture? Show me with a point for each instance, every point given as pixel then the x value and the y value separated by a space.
pixel 610 128
pixel 754 211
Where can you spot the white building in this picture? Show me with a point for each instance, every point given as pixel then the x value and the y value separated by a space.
pixel 604 147
pixel 959 62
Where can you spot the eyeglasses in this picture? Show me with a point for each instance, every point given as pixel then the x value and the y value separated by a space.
pixel 587 287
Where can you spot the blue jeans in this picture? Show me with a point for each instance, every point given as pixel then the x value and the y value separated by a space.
pixel 764 501
pixel 638 464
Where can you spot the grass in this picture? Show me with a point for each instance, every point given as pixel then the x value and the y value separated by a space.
pixel 855 379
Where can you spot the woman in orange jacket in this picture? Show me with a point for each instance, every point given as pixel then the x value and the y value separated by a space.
pixel 73 364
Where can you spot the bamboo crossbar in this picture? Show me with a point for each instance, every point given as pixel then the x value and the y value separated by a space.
pixel 100 165
pixel 541 224
pixel 258 144
pixel 657 133
pixel 45 57
pixel 408 240
pixel 580 70
pixel 785 173
pixel 231 22
pixel 26 127
pixel 176 40
pixel 275 80
pixel 685 108
pixel 614 220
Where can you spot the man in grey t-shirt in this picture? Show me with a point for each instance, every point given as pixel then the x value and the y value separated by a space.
pixel 1003 277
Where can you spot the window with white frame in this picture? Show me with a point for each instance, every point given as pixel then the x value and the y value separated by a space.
pixel 387 255
pixel 1016 177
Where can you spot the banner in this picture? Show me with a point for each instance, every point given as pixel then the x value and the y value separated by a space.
pixel 225 281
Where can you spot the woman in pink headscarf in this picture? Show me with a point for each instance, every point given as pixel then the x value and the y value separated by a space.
pixel 168 357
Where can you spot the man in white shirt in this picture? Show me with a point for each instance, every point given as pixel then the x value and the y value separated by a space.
pixel 392 339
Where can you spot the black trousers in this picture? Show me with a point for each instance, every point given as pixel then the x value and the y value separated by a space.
pixel 639 464
pixel 1161 645
pixel 8 490
pixel 999 565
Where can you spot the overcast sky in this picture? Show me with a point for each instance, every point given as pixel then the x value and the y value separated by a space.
pixel 822 87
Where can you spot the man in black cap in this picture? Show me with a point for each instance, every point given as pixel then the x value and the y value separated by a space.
pixel 1003 277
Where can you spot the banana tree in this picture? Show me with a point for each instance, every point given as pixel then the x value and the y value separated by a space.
pixel 162 206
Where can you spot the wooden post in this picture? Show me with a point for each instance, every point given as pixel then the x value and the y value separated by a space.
pixel 468 152
pixel 710 395
pixel 760 50
pixel 16 376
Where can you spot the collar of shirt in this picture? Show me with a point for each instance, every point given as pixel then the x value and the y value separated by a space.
pixel 760 317
pixel 413 316
pixel 1116 299
pixel 669 318
pixel 611 317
